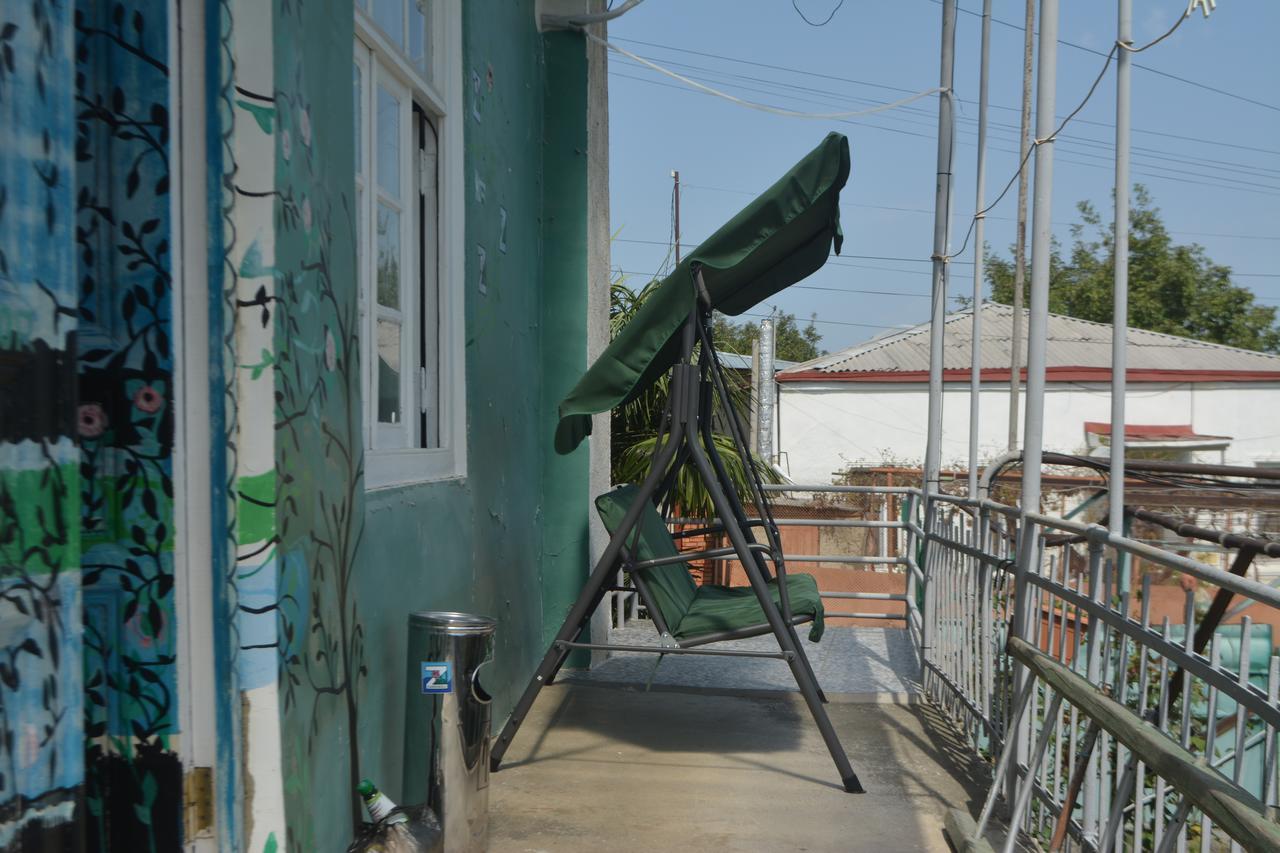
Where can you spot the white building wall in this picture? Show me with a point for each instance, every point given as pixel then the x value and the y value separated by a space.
pixel 823 428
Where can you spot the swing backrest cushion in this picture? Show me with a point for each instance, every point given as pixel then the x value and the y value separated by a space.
pixel 672 585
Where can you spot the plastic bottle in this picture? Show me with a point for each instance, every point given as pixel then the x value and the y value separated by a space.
pixel 413 829
pixel 381 807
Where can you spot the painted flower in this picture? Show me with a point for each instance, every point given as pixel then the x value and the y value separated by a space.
pixel 304 127
pixel 91 420
pixel 286 145
pixel 147 399
pixel 306 213
pixel 330 350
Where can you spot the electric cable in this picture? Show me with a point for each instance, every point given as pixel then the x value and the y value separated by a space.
pixel 754 104
pixel 1252 188
pixel 709 75
pixel 887 87
pixel 1147 68
pixel 811 23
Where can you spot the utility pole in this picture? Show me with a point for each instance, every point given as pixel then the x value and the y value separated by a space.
pixel 1120 286
pixel 757 394
pixel 1020 252
pixel 975 334
pixel 675 175
pixel 766 389
pixel 941 228
pixel 1037 339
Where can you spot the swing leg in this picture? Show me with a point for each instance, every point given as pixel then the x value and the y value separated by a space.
pixel 785 634
pixel 808 665
pixel 588 600
pixel 547 669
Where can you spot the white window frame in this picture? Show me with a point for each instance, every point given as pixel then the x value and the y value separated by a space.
pixel 440 97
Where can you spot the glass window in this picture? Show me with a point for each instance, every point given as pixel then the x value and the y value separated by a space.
pixel 419 41
pixel 388 131
pixel 388 288
pixel 389 15
pixel 411 340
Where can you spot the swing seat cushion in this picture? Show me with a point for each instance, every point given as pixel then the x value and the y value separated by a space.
pixel 717 609
pixel 690 610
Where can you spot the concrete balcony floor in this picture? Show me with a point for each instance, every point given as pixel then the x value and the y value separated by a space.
pixel 707 767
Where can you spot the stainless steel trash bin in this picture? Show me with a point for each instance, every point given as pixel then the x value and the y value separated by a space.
pixel 447 724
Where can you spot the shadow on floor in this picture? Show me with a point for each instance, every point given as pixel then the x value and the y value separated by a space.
pixel 595 766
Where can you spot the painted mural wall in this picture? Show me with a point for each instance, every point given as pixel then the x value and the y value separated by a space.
pixel 318 452
pixel 325 573
pixel 124 274
pixel 41 704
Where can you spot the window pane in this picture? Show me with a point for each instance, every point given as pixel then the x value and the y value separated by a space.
pixel 389 372
pixel 359 111
pixel 390 16
pixel 388 257
pixel 388 131
pixel 419 43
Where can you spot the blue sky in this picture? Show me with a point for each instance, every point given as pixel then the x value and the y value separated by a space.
pixel 1210 160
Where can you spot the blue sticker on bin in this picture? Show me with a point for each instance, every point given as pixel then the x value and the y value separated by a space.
pixel 437 677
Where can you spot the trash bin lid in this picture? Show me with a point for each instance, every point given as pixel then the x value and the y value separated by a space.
pixel 451 622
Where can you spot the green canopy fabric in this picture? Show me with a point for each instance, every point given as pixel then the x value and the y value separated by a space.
pixel 781 237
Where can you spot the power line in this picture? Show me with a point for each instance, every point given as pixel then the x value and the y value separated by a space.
pixel 1148 68
pixel 1250 188
pixel 731 78
pixel 836 261
pixel 850 290
pixel 860 257
pixel 837 78
pixel 815 319
pixel 768 108
pixel 811 23
pixel 927 212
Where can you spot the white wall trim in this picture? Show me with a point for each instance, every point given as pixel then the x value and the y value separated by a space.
pixel 193 484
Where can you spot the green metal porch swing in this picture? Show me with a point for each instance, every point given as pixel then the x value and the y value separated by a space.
pixel 780 238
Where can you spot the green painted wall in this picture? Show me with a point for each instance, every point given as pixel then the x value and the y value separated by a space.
pixel 510 539
pixel 504 540
pixel 564 312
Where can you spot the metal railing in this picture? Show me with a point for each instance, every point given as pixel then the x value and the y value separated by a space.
pixel 965 595
pixel 1072 602
pixel 625 604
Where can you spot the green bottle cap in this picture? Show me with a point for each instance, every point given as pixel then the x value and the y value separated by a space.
pixel 366 788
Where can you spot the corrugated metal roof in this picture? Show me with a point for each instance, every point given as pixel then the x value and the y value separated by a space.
pixel 734 361
pixel 1072 343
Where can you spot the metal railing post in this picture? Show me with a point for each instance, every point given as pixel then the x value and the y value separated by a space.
pixel 1093 671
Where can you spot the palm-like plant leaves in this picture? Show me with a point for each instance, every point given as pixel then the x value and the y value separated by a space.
pixel 635 424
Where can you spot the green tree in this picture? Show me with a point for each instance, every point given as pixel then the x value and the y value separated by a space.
pixel 792 342
pixel 1175 289
pixel 634 426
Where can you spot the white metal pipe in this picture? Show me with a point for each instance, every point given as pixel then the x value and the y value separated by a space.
pixel 1041 235
pixel 975 344
pixel 1120 287
pixel 1037 335
pixel 941 227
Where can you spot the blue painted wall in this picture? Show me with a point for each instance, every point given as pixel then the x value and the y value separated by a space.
pixel 41 704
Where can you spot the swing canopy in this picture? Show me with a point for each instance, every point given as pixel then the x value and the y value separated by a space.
pixel 780 238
